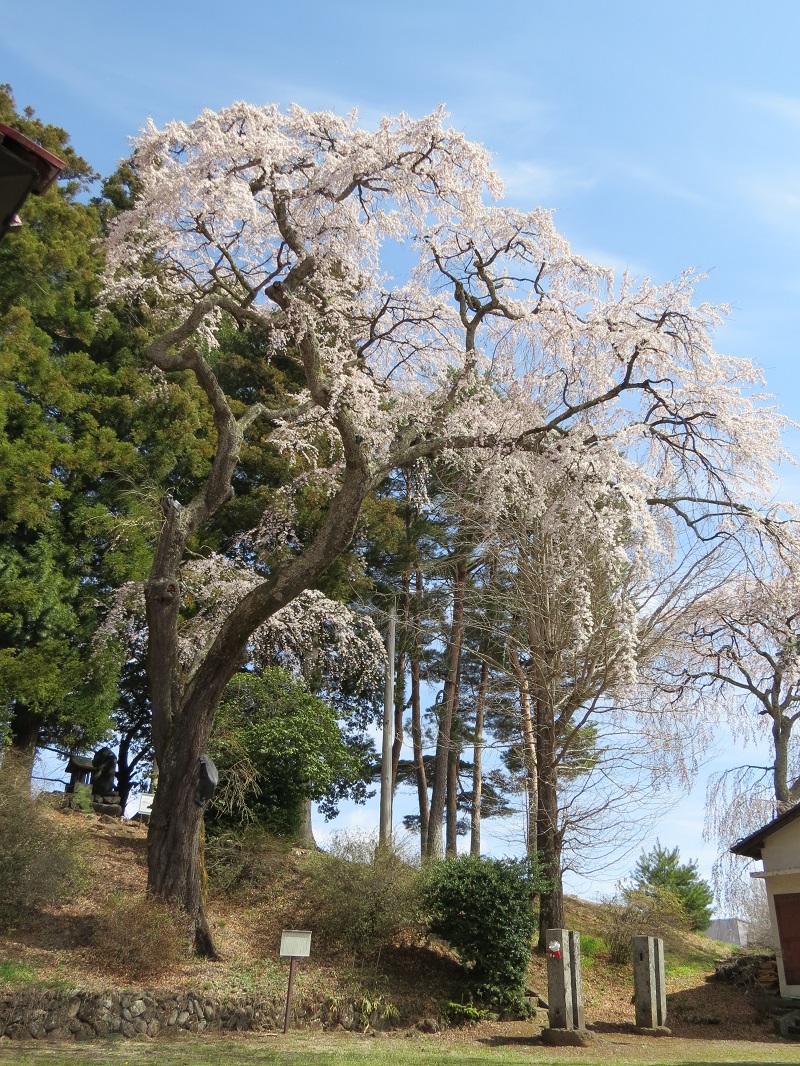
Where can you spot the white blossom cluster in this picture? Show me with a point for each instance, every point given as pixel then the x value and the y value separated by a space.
pixel 497 334
pixel 317 637
pixel 570 550
pixel 312 637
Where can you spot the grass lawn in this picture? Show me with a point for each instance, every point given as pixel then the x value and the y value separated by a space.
pixel 320 1049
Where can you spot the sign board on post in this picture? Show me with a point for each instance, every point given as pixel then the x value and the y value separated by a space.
pixel 296 944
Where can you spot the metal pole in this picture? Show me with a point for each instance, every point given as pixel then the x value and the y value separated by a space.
pixel 385 829
pixel 292 961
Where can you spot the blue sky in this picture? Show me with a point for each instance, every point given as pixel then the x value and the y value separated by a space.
pixel 664 136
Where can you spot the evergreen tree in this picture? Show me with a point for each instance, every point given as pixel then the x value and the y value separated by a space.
pixel 661 868
pixel 276 746
pixel 81 423
pixel 52 445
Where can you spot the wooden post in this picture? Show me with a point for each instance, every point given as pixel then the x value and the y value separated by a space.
pixel 650 995
pixel 292 961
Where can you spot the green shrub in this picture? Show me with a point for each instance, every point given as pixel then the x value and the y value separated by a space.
pixel 141 936
pixel 277 745
pixel 483 909
pixel 592 946
pixel 465 1014
pixel 632 912
pixel 15 973
pixel 82 799
pixel 360 897
pixel 661 870
pixel 40 861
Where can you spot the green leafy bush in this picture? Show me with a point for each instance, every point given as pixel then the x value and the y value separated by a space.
pixel 277 745
pixel 40 861
pixel 465 1014
pixel 483 909
pixel 360 897
pixel 592 945
pixel 141 936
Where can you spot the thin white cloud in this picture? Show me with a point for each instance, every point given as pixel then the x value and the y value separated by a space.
pixel 777 104
pixel 546 186
pixel 656 181
pixel 774 196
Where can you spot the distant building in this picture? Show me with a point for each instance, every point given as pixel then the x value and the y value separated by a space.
pixel 729 931
pixel 777 844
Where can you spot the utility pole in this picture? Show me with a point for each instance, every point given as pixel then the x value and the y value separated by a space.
pixel 385 830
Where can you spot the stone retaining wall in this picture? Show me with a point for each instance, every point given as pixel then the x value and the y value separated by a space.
pixel 63 1015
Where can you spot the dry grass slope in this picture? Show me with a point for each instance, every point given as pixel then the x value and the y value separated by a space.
pixel 56 945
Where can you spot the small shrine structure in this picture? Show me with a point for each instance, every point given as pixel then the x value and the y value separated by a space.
pixel 79 769
pixel 777 845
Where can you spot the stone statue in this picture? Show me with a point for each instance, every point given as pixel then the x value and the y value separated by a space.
pixel 104 765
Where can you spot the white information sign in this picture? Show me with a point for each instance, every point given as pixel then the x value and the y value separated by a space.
pixel 146 802
pixel 296 943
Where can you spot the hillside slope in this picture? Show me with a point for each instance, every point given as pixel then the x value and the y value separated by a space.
pixel 412 981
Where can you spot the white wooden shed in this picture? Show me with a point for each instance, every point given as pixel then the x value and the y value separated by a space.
pixel 777 845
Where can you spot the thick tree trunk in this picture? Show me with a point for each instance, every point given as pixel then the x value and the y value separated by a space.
pixel 305 832
pixel 175 858
pixel 781 732
pixel 25 725
pixel 436 823
pixel 548 837
pixel 183 716
pixel 551 902
pixel 477 764
pixel 416 720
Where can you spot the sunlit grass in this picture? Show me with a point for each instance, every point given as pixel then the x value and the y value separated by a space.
pixel 15 973
pixel 324 1049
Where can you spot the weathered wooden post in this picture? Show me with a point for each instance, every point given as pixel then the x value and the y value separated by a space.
pixel 565 989
pixel 649 989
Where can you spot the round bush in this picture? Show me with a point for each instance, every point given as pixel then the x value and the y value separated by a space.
pixel 483 909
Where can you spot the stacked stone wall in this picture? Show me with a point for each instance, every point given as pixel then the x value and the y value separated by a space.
pixel 53 1014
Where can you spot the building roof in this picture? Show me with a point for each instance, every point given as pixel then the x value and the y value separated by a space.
pixel 79 762
pixel 752 846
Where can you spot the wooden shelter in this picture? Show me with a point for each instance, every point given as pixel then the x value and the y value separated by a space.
pixel 777 845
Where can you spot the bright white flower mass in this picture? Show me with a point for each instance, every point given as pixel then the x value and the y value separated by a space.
pixel 499 337
pixel 496 354
pixel 311 636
